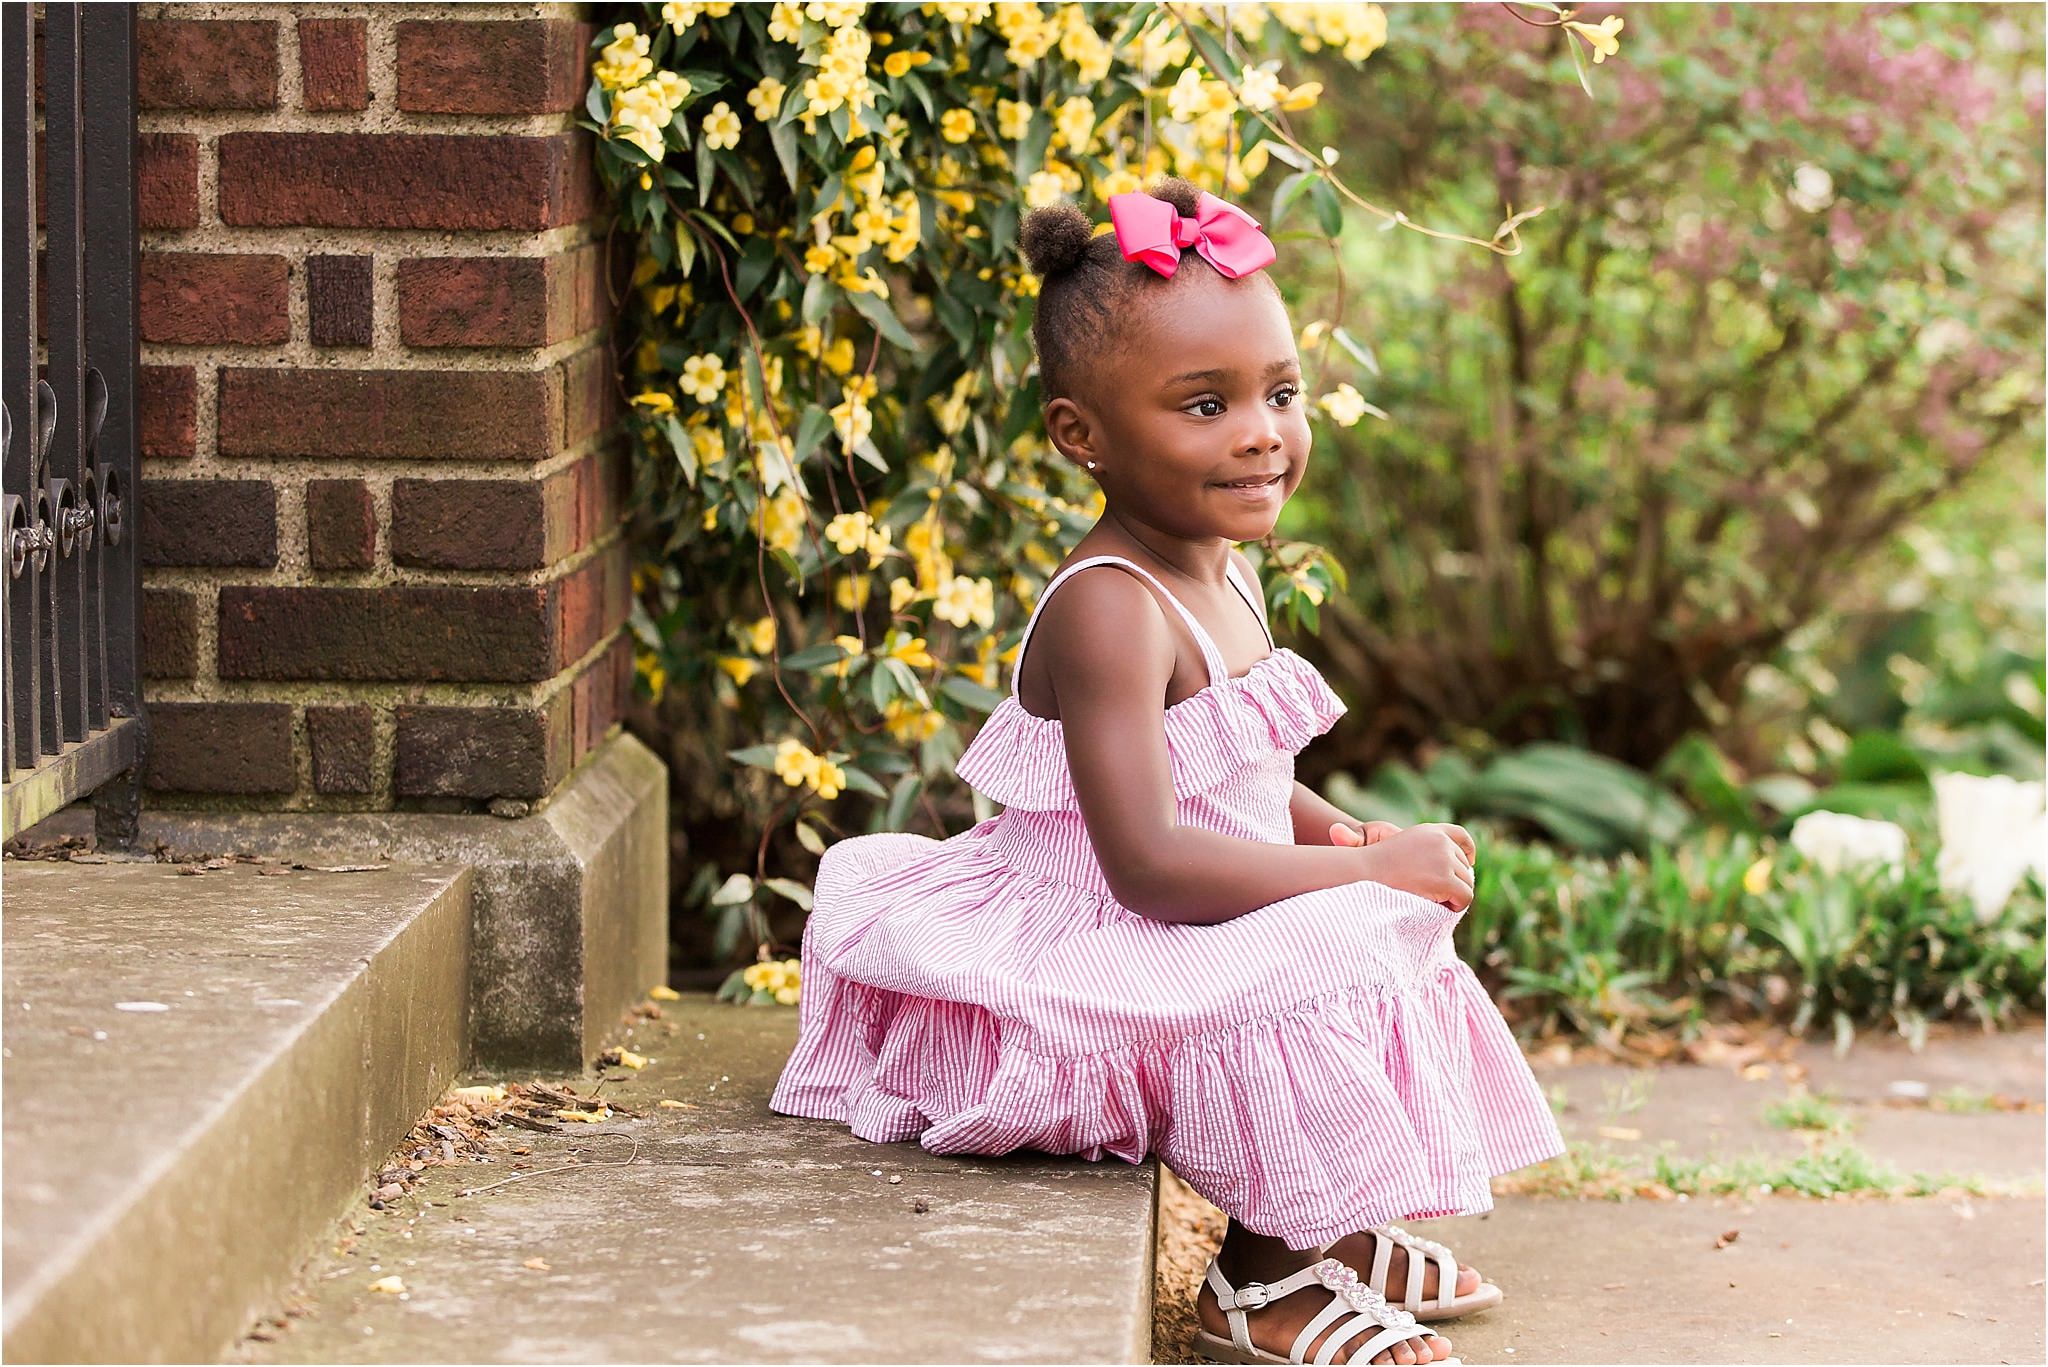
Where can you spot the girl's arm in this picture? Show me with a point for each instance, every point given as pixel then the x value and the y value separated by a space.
pixel 1111 655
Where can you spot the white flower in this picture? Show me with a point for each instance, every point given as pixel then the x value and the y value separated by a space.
pixel 1835 841
pixel 1991 832
pixel 1813 189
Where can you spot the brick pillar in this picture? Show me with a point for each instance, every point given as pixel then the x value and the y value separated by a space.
pixel 382 485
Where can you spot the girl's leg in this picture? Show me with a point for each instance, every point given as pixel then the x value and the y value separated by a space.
pixel 1248 1257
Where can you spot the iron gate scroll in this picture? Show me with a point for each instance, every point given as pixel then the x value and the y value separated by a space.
pixel 74 723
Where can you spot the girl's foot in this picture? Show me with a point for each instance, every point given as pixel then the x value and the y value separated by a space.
pixel 1273 1327
pixel 1360 1249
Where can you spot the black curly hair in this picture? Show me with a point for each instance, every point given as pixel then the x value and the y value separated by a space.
pixel 1088 293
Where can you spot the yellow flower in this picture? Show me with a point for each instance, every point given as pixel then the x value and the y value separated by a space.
pixel 788 994
pixel 898 64
pixel 839 356
pixel 711 519
pixel 909 722
pixel 623 61
pixel 1756 879
pixel 1345 405
pixel 780 520
pixel 1013 119
pixel 810 341
pixel 766 98
pixel 793 760
pixel 679 14
pixel 703 377
pixel 956 125
pixel 786 23
pixel 1303 96
pixel 963 602
pixel 760 636
pixel 655 402
pixel 1075 122
pixel 848 532
pixel 721 127
pixel 1260 89
pixel 901 593
pixel 852 591
pixel 739 667
pixel 756 976
pixel 1601 39
pixel 1186 98
pixel 852 420
pixel 819 258
pixel 909 649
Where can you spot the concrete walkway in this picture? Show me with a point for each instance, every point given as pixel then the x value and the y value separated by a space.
pixel 715 1231
pixel 1595 1272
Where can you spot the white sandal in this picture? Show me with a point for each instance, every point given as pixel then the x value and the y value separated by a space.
pixel 1366 1307
pixel 1447 1304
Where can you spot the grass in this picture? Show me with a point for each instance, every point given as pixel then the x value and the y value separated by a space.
pixel 1827 1172
pixel 1815 1112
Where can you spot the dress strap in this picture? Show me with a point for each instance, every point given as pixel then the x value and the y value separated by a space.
pixel 1230 567
pixel 1211 656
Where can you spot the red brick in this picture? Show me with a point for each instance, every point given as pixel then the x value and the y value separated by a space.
pixel 206 64
pixel 595 697
pixel 590 388
pixel 516 66
pixel 469 524
pixel 405 180
pixel 209 522
pixel 527 301
pixel 168 404
pixel 483 752
pixel 334 64
pixel 344 744
pixel 167 179
pixel 413 633
pixel 340 300
pixel 170 634
pixel 203 298
pixel 593 602
pixel 425 414
pixel 341 524
pixel 210 747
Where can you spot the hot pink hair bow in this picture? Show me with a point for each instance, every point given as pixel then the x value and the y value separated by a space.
pixel 1150 230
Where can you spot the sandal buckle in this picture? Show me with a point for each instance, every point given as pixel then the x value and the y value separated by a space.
pixel 1250 1296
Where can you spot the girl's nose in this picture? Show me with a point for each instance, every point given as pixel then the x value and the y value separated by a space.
pixel 1263 436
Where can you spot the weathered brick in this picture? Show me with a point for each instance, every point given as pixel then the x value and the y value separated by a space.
pixel 341 524
pixel 427 414
pixel 482 752
pixel 344 746
pixel 206 64
pixel 340 300
pixel 209 522
pixel 589 393
pixel 469 524
pixel 213 747
pixel 414 633
pixel 167 179
pixel 405 180
pixel 514 66
pixel 167 400
pixel 595 698
pixel 592 601
pixel 334 64
pixel 207 298
pixel 170 634
pixel 602 488
pixel 525 301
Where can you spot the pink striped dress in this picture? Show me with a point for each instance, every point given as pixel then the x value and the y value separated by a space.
pixel 1316 1066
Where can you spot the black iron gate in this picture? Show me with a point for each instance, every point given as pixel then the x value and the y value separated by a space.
pixel 68 372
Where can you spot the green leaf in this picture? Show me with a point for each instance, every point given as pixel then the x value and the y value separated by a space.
pixel 782 137
pixel 1213 53
pixel 1031 151
pixel 1290 190
pixel 968 693
pixel 1360 353
pixel 814 657
pixel 755 260
pixel 794 891
pixel 1329 209
pixel 859 780
pixel 900 798
pixel 597 103
pixel 1880 757
pixel 760 756
pixel 817 298
pixel 686 248
pixel 809 837
pixel 878 312
pixel 733 891
pixel 810 430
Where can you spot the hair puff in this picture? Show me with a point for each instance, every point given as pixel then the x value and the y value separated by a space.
pixel 1055 238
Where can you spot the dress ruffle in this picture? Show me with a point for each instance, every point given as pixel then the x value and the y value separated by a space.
pixel 1020 760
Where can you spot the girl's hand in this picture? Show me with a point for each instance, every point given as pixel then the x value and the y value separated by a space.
pixel 1433 860
pixel 1354 835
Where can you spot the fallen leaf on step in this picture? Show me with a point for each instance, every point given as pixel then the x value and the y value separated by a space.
pixel 596 1117
pixel 629 1059
pixel 664 993
pixel 669 1105
pixel 1728 1236
pixel 537 1264
pixel 1756 1072
pixel 489 1094
pixel 390 1286
pixel 1622 1132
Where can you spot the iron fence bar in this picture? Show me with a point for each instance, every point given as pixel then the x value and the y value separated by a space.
pixel 18 381
pixel 64 250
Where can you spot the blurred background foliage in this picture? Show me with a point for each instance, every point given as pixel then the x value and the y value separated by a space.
pixel 1718 504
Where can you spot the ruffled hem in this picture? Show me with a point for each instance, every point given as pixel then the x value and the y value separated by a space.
pixel 1358 1107
pixel 1020 760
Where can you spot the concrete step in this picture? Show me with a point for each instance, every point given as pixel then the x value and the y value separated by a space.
pixel 718 1231
pixel 170 1165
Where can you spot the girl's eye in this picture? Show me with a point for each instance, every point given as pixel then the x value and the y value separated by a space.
pixel 1290 393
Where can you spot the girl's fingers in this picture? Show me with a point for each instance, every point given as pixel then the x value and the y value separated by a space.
pixel 1460 837
pixel 1343 833
pixel 1376 831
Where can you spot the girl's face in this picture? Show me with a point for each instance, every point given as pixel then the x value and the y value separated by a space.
pixel 1205 393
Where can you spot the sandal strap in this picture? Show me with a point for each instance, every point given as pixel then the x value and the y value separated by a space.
pixel 1385 1338
pixel 1385 1237
pixel 1353 1297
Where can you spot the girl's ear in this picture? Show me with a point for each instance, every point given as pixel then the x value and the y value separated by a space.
pixel 1071 431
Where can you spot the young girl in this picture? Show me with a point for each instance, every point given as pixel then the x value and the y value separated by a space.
pixel 1163 943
